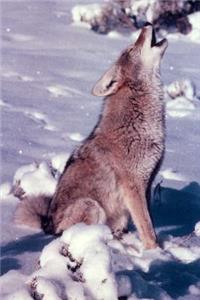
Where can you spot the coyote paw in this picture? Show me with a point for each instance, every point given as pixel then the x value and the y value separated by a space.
pixel 150 245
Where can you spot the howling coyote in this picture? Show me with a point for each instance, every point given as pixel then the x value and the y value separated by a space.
pixel 108 178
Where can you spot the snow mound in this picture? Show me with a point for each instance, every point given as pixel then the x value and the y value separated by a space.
pixel 10 291
pixel 89 250
pixel 184 249
pixel 58 161
pixel 86 13
pixel 194 20
pixel 33 180
pixel 180 107
pixel 87 263
pixel 180 96
pixel 75 266
pixel 183 87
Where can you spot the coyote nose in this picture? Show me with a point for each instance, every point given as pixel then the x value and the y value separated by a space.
pixel 147 24
pixel 47 224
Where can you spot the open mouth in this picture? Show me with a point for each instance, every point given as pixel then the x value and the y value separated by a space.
pixel 153 38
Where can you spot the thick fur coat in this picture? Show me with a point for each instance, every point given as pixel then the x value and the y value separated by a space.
pixel 108 178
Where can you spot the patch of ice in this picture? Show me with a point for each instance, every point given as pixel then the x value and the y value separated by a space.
pixel 76 136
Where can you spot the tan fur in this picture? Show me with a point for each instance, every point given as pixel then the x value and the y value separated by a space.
pixel 30 210
pixel 108 177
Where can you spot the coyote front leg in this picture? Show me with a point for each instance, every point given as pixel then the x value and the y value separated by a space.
pixel 137 205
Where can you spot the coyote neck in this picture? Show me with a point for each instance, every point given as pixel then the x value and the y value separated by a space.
pixel 140 105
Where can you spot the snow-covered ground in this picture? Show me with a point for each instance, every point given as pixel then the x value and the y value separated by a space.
pixel 49 67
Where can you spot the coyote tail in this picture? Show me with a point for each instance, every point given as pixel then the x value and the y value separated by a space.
pixel 32 210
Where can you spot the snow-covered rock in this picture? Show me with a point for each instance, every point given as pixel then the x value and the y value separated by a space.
pixel 80 265
pixel 180 88
pixel 35 180
pixel 76 266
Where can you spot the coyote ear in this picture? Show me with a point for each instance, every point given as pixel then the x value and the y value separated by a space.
pixel 109 83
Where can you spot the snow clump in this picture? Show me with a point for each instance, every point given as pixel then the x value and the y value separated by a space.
pixel 75 266
pixel 34 180
pixel 197 229
pixel 182 92
pixel 194 20
pixel 179 88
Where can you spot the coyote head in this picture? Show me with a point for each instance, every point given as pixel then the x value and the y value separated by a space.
pixel 138 61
